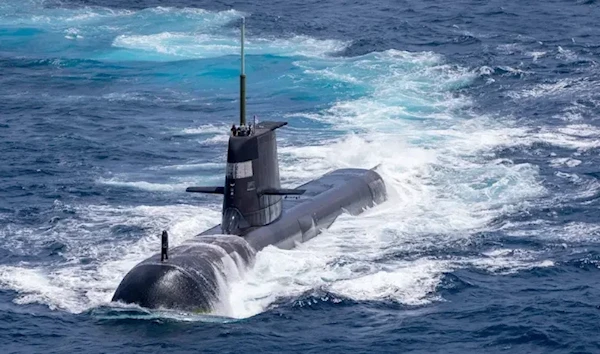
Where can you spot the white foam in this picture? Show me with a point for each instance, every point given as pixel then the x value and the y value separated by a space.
pixel 569 162
pixel 206 129
pixel 536 55
pixel 203 45
pixel 73 33
pixel 35 286
pixel 508 261
pixel 543 89
pixel 429 209
pixel 509 48
pixel 148 186
pixel 573 136
pixel 572 232
pixel 580 137
pixel 91 18
pixel 234 269
pixel 566 54
pixel 435 159
pixel 582 87
pixel 512 70
pixel 410 283
pixel 328 264
pixel 216 140
pixel 96 258
pixel 36 15
pixel 193 166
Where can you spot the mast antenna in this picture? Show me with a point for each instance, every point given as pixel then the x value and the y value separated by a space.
pixel 243 80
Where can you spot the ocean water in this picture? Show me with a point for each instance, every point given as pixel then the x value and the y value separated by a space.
pixel 483 119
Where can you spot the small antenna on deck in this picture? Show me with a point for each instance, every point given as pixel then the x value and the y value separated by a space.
pixel 164 246
pixel 243 80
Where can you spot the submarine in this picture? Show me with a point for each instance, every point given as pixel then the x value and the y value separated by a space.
pixel 257 212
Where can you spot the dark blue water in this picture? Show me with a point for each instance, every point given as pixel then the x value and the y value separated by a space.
pixel 483 119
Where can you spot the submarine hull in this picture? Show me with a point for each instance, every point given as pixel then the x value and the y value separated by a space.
pixel 193 277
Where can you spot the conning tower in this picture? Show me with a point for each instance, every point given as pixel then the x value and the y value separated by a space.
pixel 252 196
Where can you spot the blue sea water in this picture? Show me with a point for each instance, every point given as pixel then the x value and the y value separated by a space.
pixel 482 117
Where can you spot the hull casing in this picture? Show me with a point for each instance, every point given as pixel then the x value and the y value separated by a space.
pixel 193 276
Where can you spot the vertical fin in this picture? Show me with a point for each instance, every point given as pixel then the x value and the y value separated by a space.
pixel 164 246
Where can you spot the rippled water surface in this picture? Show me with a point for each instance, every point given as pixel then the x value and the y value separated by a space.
pixel 482 118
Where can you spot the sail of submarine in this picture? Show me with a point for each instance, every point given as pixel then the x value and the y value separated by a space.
pixel 256 213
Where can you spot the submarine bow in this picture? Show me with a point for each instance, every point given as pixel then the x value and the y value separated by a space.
pixel 190 280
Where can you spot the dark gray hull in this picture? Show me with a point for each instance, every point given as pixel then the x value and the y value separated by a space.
pixel 193 277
